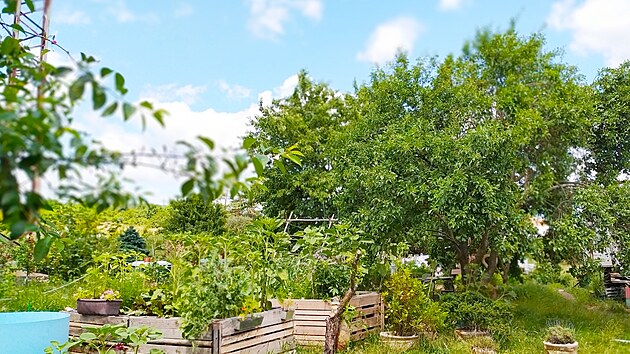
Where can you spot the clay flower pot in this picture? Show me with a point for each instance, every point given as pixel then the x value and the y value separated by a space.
pixel 552 348
pixel 98 307
pixel 398 342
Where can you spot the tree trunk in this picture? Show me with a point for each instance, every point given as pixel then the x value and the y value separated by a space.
pixel 493 260
pixel 333 323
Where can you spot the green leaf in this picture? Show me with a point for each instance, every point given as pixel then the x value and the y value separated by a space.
pixel 98 96
pixel 187 187
pixel 9 45
pixel 128 110
pixel 87 336
pixel 110 109
pixel 77 88
pixel 280 165
pixel 159 116
pixel 120 83
pixel 42 247
pixel 248 142
pixel 105 72
pixel 258 166
pixel 209 143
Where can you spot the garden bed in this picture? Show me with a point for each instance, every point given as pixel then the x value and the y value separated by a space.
pixel 310 319
pixel 273 335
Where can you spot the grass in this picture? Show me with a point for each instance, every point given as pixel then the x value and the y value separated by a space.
pixel 596 324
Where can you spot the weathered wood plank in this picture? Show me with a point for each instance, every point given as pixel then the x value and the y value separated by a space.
pixel 283 326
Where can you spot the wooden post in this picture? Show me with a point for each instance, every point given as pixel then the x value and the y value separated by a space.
pixel 216 337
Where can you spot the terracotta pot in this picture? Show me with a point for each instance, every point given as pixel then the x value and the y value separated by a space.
pixel 552 348
pixel 98 307
pixel 398 342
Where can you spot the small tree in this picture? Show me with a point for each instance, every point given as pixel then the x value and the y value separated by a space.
pixel 196 215
pixel 130 240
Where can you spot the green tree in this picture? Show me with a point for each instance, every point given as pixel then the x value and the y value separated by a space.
pixel 196 215
pixel 130 240
pixel 307 119
pixel 457 156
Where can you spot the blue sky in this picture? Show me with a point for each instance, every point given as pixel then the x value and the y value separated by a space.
pixel 210 61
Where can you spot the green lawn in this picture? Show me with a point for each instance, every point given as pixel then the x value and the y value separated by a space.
pixel 596 324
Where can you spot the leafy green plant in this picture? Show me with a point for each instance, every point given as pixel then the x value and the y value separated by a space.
pixel 215 289
pixel 408 309
pixel 154 302
pixel 110 339
pixel 560 335
pixel 473 311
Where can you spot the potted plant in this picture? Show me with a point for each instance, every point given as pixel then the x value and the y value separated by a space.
pixel 483 345
pixel 409 312
pixel 250 316
pixel 560 340
pixel 473 315
pixel 106 304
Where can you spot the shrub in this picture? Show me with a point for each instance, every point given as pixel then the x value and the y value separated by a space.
pixel 471 310
pixel 409 310
pixel 560 335
pixel 130 240
pixel 195 215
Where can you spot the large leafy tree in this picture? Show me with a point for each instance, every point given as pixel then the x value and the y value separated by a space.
pixel 457 156
pixel 308 119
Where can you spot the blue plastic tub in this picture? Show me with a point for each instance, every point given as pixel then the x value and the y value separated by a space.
pixel 31 332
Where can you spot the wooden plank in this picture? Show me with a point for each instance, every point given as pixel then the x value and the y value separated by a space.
pixel 310 323
pixel 297 317
pixel 98 320
pixel 306 304
pixel 301 312
pixel 240 336
pixel 228 325
pixel 175 349
pixel 318 331
pixel 365 299
pixel 269 343
pixel 182 342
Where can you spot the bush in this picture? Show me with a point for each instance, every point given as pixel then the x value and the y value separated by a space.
pixel 471 310
pixel 130 240
pixel 560 335
pixel 409 310
pixel 195 215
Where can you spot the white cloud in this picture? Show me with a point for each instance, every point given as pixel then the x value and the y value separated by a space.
pixel 268 17
pixel 284 90
pixel 187 94
pixel 597 26
pixel 184 10
pixel 233 91
pixel 72 17
pixel 390 37
pixel 449 5
pixel 182 123
pixel 123 14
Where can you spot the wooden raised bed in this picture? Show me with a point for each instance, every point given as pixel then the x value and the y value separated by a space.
pixel 310 319
pixel 273 336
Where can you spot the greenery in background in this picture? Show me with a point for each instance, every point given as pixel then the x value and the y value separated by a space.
pixel 471 310
pixel 408 308
pixel 308 118
pixel 196 215
pixel 131 241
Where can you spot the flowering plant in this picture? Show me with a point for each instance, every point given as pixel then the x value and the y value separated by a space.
pixel 109 295
pixel 250 306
